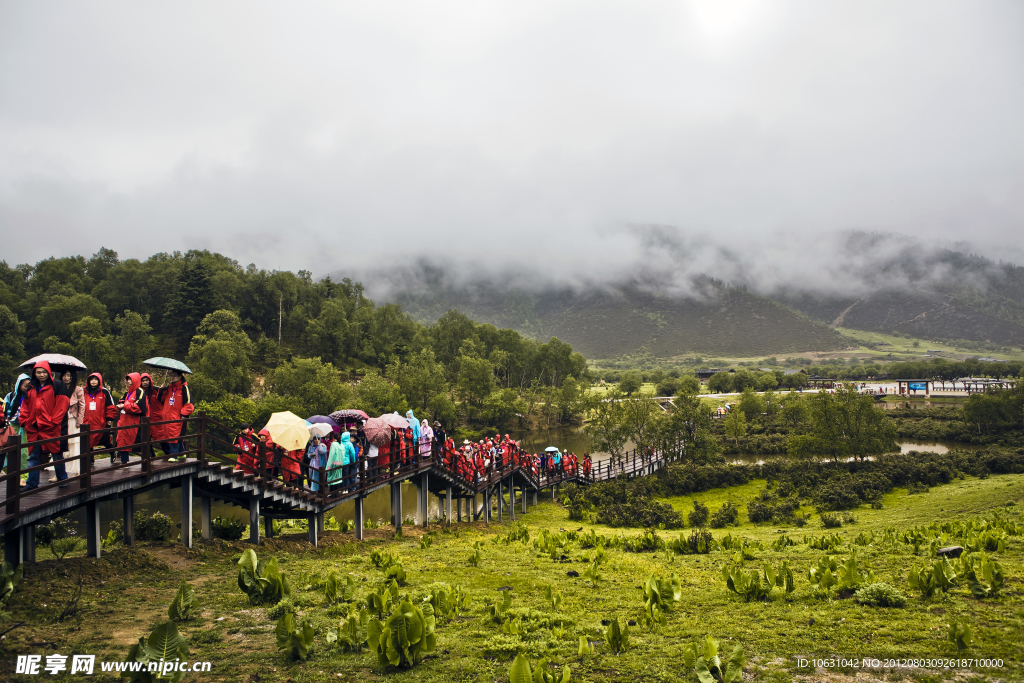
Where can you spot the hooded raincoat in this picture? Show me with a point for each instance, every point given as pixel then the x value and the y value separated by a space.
pixel 414 425
pixel 133 408
pixel 98 408
pixel 175 402
pixel 426 439
pixel 44 409
pixel 12 405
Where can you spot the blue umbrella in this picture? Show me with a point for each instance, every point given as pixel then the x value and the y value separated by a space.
pixel 167 364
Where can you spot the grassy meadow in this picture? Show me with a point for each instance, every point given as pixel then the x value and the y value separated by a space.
pixel 127 592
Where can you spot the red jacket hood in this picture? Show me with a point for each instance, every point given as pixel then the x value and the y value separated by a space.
pixel 45 365
pixel 136 380
pixel 97 376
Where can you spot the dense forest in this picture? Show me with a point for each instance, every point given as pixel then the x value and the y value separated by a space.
pixel 261 340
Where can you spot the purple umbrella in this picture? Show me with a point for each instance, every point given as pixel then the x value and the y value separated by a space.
pixel 323 419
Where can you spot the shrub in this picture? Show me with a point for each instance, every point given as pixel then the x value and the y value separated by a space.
pixel 640 511
pixel 880 595
pixel 406 637
pixel 228 528
pixel 156 527
pixel 183 605
pixel 724 516
pixel 297 640
pixel 700 514
pixel 648 541
pixel 262 583
pixel 164 644
pixel 830 521
pixel 705 662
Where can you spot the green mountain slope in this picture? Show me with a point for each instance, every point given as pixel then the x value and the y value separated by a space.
pixel 610 323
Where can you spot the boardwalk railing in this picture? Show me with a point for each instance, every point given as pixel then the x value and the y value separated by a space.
pixel 203 440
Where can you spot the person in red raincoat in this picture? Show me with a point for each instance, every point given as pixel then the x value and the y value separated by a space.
pixel 586 463
pixel 43 410
pixel 384 459
pixel 133 407
pixel 99 408
pixel 245 448
pixel 291 465
pixel 272 453
pixel 175 403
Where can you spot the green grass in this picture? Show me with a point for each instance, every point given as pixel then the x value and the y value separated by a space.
pixel 239 639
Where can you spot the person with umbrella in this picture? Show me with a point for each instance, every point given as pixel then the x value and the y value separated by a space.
pixel 316 456
pixel 43 410
pixel 176 403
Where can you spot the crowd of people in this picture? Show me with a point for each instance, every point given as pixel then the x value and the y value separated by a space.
pixel 345 459
pixel 47 405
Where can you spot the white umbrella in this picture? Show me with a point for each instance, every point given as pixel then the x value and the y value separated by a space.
pixel 320 429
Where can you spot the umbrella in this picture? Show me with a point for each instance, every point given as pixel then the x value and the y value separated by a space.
pixel 321 419
pixel 167 364
pixel 320 429
pixel 395 420
pixel 377 431
pixel 349 415
pixel 551 449
pixel 288 430
pixel 58 362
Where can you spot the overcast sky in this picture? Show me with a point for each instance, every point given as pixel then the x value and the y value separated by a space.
pixel 328 135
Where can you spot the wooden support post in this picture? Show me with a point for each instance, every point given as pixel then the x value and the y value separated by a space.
pixel 14 549
pixel 501 502
pixel 487 506
pixel 28 540
pixel 476 510
pixel 535 496
pixel 268 526
pixel 396 505
pixel 358 503
pixel 128 519
pixel 92 529
pixel 512 499
pixel 201 439
pixel 320 523
pixel 13 506
pixel 448 506
pixel 458 509
pixel 85 463
pixel 204 517
pixel 186 510
pixel 311 523
pixel 524 499
pixel 424 499
pixel 254 521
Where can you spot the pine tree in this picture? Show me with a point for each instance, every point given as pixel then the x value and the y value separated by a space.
pixel 192 301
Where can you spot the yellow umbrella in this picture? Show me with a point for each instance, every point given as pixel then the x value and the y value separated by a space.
pixel 288 430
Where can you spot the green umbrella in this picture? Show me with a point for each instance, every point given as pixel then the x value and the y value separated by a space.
pixel 167 364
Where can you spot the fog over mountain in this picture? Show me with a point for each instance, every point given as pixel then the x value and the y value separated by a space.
pixel 499 137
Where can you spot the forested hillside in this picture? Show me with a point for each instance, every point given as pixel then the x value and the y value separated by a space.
pixel 226 320
pixel 604 323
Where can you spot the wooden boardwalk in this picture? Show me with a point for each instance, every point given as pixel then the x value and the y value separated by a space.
pixel 207 470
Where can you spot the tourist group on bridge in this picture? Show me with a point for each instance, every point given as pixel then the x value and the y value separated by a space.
pixel 344 452
pixel 50 404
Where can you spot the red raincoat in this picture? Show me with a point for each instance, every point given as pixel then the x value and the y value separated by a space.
pixel 133 408
pixel 291 465
pixel 245 447
pixel 43 409
pixel 175 402
pixel 99 408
